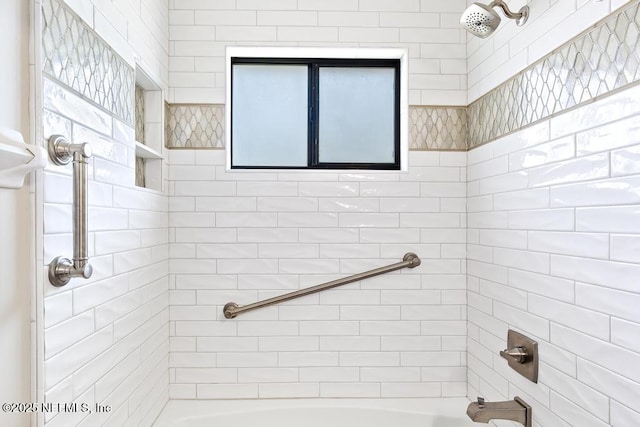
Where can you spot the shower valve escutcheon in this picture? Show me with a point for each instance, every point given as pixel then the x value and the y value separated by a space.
pixel 522 355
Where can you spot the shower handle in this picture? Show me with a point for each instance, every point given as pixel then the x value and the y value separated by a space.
pixel 61 152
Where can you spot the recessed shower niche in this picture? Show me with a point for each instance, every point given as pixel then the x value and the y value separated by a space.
pixel 149 117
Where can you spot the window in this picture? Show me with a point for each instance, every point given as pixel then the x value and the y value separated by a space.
pixel 290 112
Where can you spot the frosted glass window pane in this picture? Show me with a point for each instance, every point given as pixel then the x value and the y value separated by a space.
pixel 356 117
pixel 270 104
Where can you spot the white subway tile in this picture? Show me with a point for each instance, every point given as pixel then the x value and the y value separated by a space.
pixel 567 409
pixel 492 167
pixel 331 328
pixel 337 5
pixel 606 273
pixel 561 149
pixel 487 219
pixel 430 220
pixel 608 356
pixel 200 328
pixel 618 191
pixel 611 136
pixel 612 219
pixel 552 287
pixel 614 385
pixel 443 189
pixel 206 375
pixel 608 301
pixel 543 219
pixel 525 260
pixel 580 169
pixel 390 374
pixel 625 248
pixel 524 199
pixel 349 343
pixel 69 332
pixel 411 343
pixel 523 320
pixel 623 416
pixel 223 391
pixel 287 204
pixel 401 390
pixel 389 235
pixel 288 390
pixel 57 308
pixel 358 390
pixel 625 161
pixel 267 375
pixel 328 189
pixel 265 329
pixel 504 294
pixel 578 318
pixel 395 328
pixel 507 182
pixel 226 344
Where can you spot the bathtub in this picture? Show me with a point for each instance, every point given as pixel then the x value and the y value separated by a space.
pixel 449 412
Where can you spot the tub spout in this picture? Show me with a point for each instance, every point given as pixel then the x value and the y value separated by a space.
pixel 515 410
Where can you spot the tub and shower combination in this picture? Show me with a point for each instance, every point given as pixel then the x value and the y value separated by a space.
pixel 447 412
pixel 422 412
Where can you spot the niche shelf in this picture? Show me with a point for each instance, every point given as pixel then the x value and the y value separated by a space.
pixel 149 116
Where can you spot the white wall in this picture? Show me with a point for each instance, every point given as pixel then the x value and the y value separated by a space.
pixel 15 276
pixel 554 252
pixel 106 339
pixel 510 49
pixel 199 31
pixel 245 236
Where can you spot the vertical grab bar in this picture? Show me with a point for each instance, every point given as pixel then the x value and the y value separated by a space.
pixel 61 152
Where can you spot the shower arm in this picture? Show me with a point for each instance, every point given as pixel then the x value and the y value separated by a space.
pixel 410 260
pixel 507 12
pixel 61 152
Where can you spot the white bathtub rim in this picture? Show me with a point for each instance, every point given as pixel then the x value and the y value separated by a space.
pixel 180 409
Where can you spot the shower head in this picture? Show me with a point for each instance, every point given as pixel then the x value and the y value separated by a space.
pixel 481 20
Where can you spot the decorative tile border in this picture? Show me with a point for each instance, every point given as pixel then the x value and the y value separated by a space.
pixel 139 114
pixel 605 58
pixel 73 54
pixel 194 126
pixel 140 172
pixel 202 126
pixel 438 128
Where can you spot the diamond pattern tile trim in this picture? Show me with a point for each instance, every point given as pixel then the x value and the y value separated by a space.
pixel 438 128
pixel 76 56
pixel 194 126
pixel 140 172
pixel 139 111
pixel 604 59
pixel 202 126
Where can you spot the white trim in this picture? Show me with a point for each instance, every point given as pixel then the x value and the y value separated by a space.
pixel 328 53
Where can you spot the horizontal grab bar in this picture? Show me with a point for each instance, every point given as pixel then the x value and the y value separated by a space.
pixel 410 260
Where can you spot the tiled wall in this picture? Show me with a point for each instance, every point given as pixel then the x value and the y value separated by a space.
pixel 244 236
pixel 554 252
pixel 200 30
pixel 511 48
pixel 106 339
pixel 603 59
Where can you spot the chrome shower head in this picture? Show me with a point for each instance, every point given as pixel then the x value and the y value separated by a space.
pixel 481 20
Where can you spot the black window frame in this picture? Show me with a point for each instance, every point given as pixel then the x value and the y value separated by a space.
pixel 314 65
